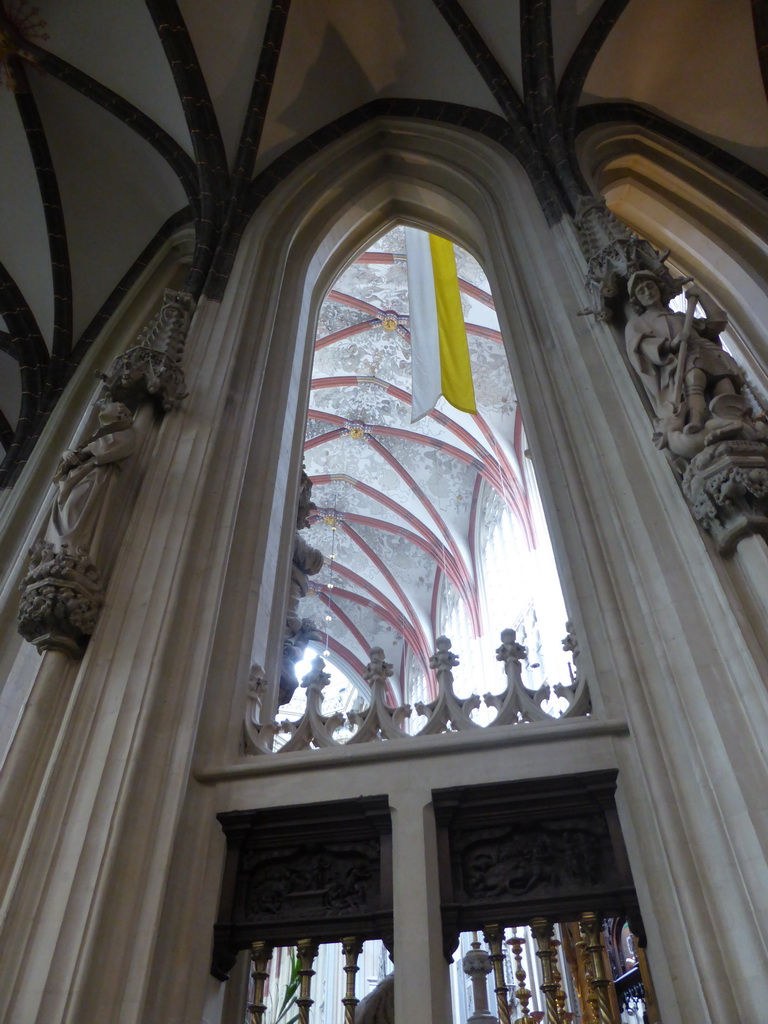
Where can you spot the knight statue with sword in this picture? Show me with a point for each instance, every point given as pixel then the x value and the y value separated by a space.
pixel 694 385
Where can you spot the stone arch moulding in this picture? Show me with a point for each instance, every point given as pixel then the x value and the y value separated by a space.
pixel 445 179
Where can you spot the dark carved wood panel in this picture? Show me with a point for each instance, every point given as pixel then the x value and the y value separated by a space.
pixel 321 871
pixel 544 847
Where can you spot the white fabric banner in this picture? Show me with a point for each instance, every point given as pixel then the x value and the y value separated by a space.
pixel 425 342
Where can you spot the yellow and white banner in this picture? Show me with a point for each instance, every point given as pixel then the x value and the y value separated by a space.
pixel 439 349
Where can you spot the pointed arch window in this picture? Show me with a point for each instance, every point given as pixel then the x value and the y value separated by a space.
pixel 426 527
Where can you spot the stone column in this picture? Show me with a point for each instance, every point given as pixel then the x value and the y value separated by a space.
pixel 422 990
pixel 476 964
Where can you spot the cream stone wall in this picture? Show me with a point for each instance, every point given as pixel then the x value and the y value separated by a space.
pixel 114 857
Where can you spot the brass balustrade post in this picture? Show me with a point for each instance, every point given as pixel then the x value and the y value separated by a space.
pixel 261 955
pixel 494 935
pixel 546 951
pixel 522 994
pixel 599 982
pixel 352 947
pixel 307 951
pixel 564 1017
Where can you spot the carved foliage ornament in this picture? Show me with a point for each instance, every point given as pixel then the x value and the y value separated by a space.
pixel 61 599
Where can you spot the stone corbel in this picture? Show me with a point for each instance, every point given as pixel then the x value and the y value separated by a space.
pixel 61 599
pixel 727 488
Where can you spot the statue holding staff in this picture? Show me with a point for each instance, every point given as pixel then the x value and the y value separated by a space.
pixel 694 385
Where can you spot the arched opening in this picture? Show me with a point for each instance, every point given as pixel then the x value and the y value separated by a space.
pixel 427 522
pixel 391 182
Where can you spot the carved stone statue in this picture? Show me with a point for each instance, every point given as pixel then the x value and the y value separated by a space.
pixel 702 415
pixel 694 386
pixel 307 561
pixel 378 1007
pixel 83 477
pixel 61 591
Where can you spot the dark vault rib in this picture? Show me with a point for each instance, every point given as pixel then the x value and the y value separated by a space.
pixel 582 59
pixel 163 144
pixel 248 148
pixel 61 273
pixel 207 143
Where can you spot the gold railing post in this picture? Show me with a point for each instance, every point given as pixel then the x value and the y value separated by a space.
pixel 261 954
pixel 307 951
pixel 564 1017
pixel 352 947
pixel 522 994
pixel 494 936
pixel 599 983
pixel 546 951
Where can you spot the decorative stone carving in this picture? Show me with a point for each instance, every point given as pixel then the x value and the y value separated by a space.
pixel 62 592
pixel 517 703
pixel 152 368
pixel 259 734
pixel 613 252
pixel 702 415
pixel 314 728
pixel 727 487
pixel 307 561
pixel 61 599
pixel 378 720
pixel 447 713
pixel 476 964
pixel 447 710
pixel 577 692
pixel 693 385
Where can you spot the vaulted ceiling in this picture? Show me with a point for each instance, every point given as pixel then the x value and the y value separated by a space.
pixel 401 504
pixel 123 120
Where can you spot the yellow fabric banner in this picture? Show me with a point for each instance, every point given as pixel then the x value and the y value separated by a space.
pixel 455 369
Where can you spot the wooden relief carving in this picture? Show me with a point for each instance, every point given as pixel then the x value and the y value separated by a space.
pixel 512 851
pixel 310 881
pixel 321 870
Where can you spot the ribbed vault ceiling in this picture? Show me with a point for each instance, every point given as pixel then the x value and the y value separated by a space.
pixel 123 120
pixel 398 502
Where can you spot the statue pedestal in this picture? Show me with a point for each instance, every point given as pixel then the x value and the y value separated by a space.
pixel 61 599
pixel 727 487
